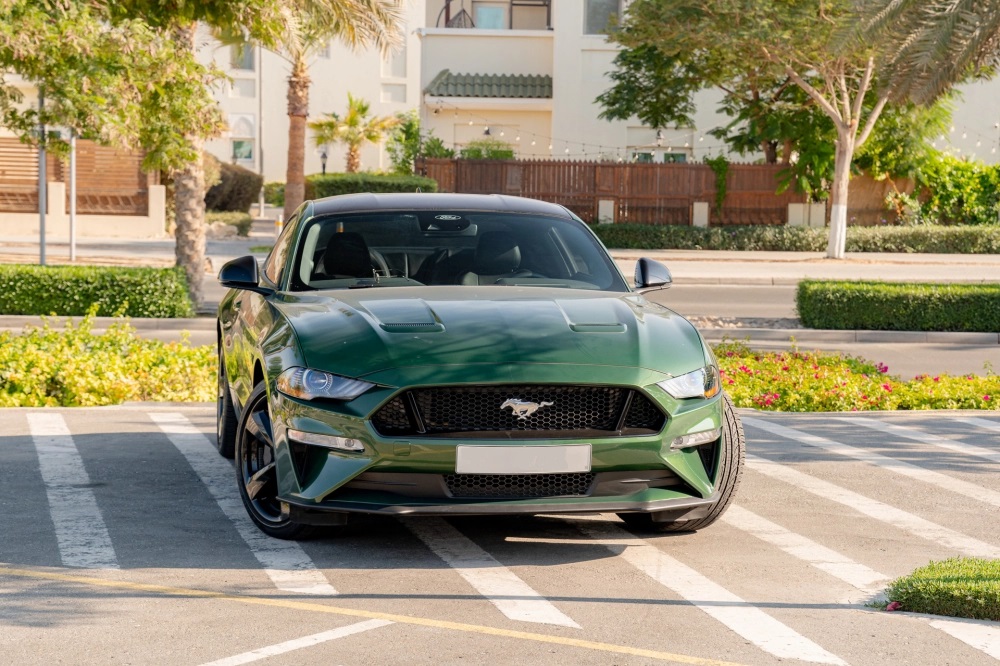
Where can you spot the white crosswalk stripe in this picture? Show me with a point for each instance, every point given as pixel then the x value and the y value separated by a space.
pixel 927 438
pixel 299 643
pixel 825 559
pixel 511 595
pixel 285 562
pixel 971 490
pixel 872 508
pixel 80 529
pixel 984 636
pixel 985 424
pixel 745 619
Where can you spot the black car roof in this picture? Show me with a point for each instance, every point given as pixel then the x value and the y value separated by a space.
pixel 352 203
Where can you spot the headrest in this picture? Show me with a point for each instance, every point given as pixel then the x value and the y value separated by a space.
pixel 497 253
pixel 347 254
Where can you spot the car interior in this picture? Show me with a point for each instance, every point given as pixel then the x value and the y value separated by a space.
pixel 438 248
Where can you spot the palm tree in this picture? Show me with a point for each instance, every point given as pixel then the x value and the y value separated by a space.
pixel 354 130
pixel 939 42
pixel 357 23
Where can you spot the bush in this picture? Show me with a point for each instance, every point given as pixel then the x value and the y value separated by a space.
pixel 319 186
pixel 929 239
pixel 898 306
pixel 796 381
pixel 683 237
pixel 242 221
pixel 114 290
pixel 44 367
pixel 274 194
pixel 958 587
pixel 487 149
pixel 237 189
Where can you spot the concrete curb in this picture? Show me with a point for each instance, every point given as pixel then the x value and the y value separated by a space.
pixel 820 336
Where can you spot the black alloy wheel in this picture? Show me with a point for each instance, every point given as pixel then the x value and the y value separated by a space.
pixel 256 473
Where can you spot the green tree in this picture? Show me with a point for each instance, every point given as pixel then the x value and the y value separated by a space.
pixel 123 84
pixel 801 42
pixel 404 142
pixel 354 130
pixel 267 21
pixel 356 23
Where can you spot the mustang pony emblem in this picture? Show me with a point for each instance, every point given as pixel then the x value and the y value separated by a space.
pixel 522 409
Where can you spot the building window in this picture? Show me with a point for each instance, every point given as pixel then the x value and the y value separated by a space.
pixel 241 56
pixel 675 158
pixel 598 15
pixel 243 88
pixel 325 51
pixel 242 150
pixel 642 157
pixel 491 18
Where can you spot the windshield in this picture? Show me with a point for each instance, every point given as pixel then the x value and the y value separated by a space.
pixel 400 248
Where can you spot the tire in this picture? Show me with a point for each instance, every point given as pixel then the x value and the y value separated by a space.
pixel 256 475
pixel 225 416
pixel 732 459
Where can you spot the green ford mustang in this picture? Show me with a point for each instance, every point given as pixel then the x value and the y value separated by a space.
pixel 463 354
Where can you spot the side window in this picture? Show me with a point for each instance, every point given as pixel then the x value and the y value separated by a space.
pixel 275 263
pixel 598 14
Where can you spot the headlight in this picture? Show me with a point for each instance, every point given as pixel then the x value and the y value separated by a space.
pixel 703 383
pixel 308 384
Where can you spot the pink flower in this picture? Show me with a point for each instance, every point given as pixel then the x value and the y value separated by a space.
pixel 937 379
pixel 887 388
pixel 882 367
pixel 986 398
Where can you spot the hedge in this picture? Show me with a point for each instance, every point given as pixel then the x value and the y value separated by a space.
pixel 332 184
pixel 242 221
pixel 274 194
pixel 237 189
pixel 898 306
pixel 958 587
pixel 922 239
pixel 71 290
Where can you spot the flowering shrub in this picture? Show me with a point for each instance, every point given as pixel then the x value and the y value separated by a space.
pixel 797 381
pixel 45 367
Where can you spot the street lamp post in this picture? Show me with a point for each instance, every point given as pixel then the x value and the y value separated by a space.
pixel 322 162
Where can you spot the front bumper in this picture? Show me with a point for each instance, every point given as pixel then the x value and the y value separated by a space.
pixel 404 476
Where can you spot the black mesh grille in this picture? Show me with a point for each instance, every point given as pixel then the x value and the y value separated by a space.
pixel 533 410
pixel 643 415
pixel 519 485
pixel 393 419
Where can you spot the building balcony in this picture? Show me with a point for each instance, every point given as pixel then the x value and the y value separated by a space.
pixel 489 14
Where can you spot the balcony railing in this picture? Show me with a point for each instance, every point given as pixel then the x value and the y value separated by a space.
pixel 496 14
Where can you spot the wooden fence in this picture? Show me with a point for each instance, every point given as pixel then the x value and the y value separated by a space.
pixel 638 193
pixel 108 181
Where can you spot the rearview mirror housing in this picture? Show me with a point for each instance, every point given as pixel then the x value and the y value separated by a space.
pixel 651 275
pixel 243 273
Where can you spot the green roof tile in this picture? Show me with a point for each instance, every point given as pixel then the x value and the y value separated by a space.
pixel 525 86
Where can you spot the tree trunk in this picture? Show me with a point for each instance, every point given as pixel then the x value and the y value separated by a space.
pixel 298 112
pixel 770 152
pixel 841 181
pixel 353 159
pixel 189 199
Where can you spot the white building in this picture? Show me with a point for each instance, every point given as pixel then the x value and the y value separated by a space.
pixel 526 72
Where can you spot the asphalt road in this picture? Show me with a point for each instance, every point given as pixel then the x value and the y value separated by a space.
pixel 123 541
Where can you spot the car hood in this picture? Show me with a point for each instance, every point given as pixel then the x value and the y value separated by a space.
pixel 364 331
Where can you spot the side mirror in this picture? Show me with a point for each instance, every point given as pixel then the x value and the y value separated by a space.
pixel 243 273
pixel 650 275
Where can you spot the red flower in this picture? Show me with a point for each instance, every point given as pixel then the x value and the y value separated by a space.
pixel 887 388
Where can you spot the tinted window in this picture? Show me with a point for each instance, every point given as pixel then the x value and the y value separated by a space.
pixel 465 248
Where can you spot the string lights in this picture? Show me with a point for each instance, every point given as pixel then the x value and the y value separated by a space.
pixel 670 140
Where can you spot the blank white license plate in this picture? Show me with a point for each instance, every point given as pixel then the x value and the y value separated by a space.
pixel 522 459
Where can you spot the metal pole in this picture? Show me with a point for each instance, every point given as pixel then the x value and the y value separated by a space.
pixel 43 192
pixel 260 126
pixel 72 195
